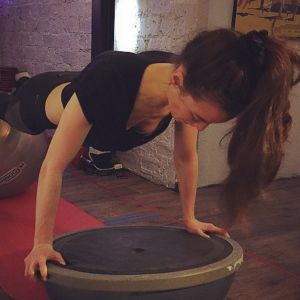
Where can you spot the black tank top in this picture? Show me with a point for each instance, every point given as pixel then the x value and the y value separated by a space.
pixel 106 90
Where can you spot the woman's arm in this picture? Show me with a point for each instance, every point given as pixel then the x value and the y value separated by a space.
pixel 68 138
pixel 186 164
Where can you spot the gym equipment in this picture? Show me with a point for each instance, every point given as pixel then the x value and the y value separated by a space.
pixel 143 263
pixel 21 156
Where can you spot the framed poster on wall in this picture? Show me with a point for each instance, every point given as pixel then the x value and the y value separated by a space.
pixel 279 17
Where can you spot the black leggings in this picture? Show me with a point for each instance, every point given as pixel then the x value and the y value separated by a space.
pixel 26 109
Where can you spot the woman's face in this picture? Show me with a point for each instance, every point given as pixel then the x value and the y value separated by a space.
pixel 198 114
pixel 185 109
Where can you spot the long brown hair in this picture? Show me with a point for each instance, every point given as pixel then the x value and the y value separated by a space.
pixel 250 76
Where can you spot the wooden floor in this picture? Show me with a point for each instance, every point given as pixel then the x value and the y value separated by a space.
pixel 270 237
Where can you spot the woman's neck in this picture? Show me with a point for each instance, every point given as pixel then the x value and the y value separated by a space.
pixel 152 102
pixel 154 86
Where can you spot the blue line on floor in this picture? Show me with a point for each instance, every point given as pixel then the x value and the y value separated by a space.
pixel 127 219
pixel 121 218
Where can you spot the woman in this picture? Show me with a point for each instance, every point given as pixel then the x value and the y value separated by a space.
pixel 218 76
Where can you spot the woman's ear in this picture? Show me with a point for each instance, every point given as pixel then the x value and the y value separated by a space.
pixel 177 77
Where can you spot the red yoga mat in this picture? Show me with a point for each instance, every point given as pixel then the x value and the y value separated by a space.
pixel 17 216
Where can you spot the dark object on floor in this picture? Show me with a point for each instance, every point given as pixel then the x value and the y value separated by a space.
pixel 98 163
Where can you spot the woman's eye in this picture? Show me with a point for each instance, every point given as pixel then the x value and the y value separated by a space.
pixel 197 119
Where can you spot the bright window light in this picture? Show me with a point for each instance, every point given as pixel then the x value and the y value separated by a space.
pixel 127 25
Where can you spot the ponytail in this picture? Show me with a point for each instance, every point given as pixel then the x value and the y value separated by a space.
pixel 257 140
pixel 250 76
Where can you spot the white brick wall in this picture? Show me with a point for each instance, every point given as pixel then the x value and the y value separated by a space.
pixel 40 35
pixel 163 25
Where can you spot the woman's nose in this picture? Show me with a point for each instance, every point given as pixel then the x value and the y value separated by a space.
pixel 201 126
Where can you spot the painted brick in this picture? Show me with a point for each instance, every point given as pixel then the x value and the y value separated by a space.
pixel 48 35
pixel 63 25
pixel 165 25
pixel 43 25
pixel 162 7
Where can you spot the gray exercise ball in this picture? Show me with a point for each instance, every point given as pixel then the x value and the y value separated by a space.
pixel 21 156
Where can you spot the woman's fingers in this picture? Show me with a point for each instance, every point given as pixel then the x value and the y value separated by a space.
pixel 217 230
pixel 43 269
pixel 37 260
pixel 201 228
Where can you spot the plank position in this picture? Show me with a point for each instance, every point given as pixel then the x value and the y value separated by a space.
pixel 123 100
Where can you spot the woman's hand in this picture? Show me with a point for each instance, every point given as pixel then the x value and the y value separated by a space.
pixel 38 257
pixel 200 228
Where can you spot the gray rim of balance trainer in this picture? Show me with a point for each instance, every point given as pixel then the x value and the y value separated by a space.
pixel 147 282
